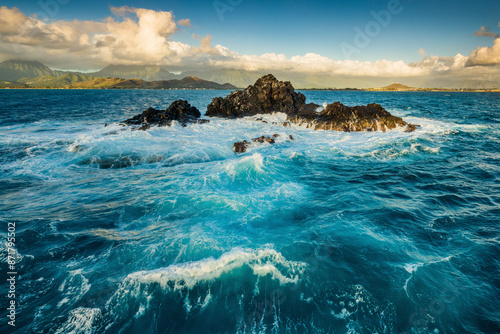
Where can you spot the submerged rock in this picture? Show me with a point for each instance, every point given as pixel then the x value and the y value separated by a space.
pixel 263 139
pixel 179 110
pixel 268 95
pixel 241 146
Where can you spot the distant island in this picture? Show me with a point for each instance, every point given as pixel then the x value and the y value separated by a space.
pixel 398 87
pixel 15 74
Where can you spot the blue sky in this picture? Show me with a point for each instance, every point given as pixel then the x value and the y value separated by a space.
pixel 296 27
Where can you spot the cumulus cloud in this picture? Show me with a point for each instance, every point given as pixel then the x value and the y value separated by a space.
pixel 486 55
pixel 17 28
pixel 436 64
pixel 131 36
pixel 486 32
pixel 422 52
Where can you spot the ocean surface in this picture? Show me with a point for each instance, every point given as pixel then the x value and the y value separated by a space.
pixel 169 231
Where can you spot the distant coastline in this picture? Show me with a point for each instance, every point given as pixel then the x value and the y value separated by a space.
pixel 449 90
pixel 416 90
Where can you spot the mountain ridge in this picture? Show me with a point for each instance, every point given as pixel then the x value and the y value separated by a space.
pixel 16 71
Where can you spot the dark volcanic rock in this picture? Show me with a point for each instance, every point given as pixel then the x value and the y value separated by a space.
pixel 266 96
pixel 240 147
pixel 339 117
pixel 179 110
pixel 269 95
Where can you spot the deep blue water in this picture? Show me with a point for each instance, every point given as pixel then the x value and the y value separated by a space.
pixel 169 231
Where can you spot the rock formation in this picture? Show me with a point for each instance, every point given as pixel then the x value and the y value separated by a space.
pixel 339 117
pixel 179 110
pixel 268 95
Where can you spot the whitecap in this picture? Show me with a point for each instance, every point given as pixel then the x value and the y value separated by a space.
pixel 263 262
pixel 80 321
pixel 74 287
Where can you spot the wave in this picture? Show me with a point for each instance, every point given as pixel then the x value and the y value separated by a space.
pixel 262 262
pixel 74 287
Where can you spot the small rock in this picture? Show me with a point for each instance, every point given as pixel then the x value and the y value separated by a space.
pixel 144 127
pixel 240 147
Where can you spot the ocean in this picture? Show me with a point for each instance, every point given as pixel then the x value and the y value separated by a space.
pixel 170 231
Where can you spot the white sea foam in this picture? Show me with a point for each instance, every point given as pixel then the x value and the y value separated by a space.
pixel 245 165
pixel 80 321
pixel 263 262
pixel 74 287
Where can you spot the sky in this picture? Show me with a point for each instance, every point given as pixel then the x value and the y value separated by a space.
pixel 398 38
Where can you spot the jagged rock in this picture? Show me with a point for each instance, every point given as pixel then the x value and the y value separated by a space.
pixel 240 147
pixel 339 117
pixel 269 95
pixel 179 110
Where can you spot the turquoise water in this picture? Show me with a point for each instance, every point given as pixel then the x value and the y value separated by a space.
pixel 169 231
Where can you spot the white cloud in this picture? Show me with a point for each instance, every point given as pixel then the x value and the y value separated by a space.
pixel 133 36
pixel 422 52
pixel 486 55
pixel 312 63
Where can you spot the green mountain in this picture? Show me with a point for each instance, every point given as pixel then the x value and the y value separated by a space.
pixel 56 81
pixel 13 70
pixel 8 84
pixel 148 73
pixel 118 83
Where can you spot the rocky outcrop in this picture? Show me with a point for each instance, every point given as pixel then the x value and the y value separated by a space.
pixel 268 95
pixel 339 117
pixel 180 111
